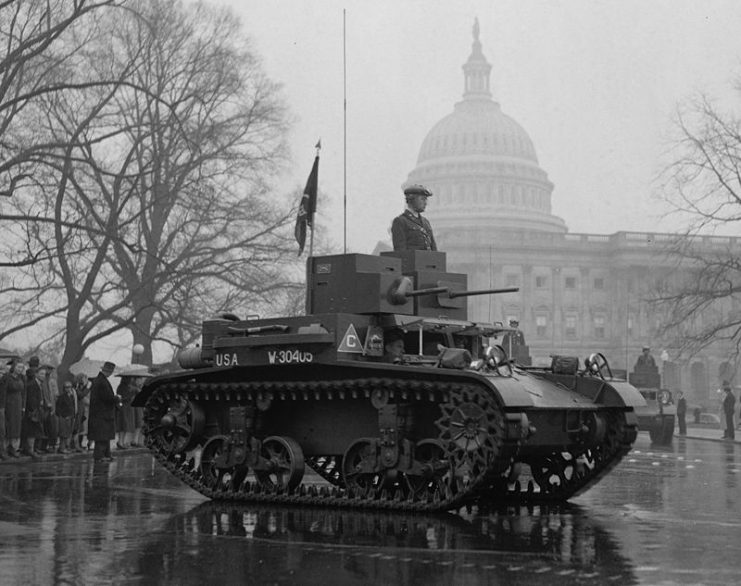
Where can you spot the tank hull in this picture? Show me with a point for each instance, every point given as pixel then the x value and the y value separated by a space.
pixel 392 437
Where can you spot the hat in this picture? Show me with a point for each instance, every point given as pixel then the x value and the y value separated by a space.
pixel 417 189
pixel 514 322
pixel 34 362
pixel 646 348
pixel 108 366
pixel 392 336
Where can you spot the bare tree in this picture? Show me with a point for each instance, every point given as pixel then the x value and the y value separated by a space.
pixel 156 206
pixel 36 56
pixel 203 215
pixel 700 307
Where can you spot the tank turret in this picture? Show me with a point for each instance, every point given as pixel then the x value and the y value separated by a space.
pixel 389 394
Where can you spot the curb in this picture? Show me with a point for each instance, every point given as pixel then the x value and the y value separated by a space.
pixel 72 456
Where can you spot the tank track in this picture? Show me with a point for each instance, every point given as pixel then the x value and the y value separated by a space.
pixel 560 476
pixel 480 460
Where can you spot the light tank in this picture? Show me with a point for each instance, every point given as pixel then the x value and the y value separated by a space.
pixel 658 415
pixel 310 410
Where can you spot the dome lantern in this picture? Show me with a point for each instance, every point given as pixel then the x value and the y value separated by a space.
pixel 483 166
pixel 476 70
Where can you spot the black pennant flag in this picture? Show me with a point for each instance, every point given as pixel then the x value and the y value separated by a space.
pixel 307 207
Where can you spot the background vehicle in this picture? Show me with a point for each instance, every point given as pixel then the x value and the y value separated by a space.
pixel 659 414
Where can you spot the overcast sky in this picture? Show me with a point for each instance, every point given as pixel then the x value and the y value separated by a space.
pixel 594 83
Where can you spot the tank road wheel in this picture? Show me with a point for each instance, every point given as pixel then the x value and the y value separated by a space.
pixel 359 468
pixel 213 457
pixel 435 471
pixel 174 423
pixel 556 472
pixel 471 429
pixel 284 464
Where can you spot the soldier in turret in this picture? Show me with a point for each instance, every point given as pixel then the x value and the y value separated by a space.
pixel 645 360
pixel 410 230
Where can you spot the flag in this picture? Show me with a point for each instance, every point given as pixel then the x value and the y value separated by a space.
pixel 307 207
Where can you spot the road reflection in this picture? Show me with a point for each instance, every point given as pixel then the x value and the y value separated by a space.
pixel 77 522
pixel 344 547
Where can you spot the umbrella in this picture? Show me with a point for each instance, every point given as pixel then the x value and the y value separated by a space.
pixel 137 370
pixel 6 354
pixel 86 366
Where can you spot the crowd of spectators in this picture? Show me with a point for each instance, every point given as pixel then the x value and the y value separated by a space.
pixel 37 417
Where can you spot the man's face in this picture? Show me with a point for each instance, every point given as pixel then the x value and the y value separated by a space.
pixel 395 348
pixel 418 203
pixel 107 372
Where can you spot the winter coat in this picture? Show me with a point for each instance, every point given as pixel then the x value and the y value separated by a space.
pixel 33 418
pixel 125 420
pixel 103 401
pixel 65 412
pixel 15 397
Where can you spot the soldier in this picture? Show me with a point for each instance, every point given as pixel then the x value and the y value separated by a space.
pixel 681 413
pixel 410 230
pixel 645 359
pixel 393 347
pixel 513 340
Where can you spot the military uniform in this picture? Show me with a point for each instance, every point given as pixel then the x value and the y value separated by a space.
pixel 411 232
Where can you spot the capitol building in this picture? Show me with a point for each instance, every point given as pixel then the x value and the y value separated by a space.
pixel 579 293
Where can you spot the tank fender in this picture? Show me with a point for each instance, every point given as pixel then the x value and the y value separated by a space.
pixel 151 384
pixel 626 393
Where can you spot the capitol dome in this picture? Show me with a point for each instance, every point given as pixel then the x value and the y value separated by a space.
pixel 482 166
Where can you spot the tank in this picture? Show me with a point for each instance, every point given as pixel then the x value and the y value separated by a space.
pixel 312 410
pixel 658 415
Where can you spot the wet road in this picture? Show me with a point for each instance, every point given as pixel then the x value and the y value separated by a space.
pixel 665 516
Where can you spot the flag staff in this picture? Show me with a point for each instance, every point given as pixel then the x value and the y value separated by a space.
pixel 318 147
pixel 344 132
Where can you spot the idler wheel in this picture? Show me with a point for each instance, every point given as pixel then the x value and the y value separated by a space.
pixel 283 466
pixel 359 467
pixel 175 423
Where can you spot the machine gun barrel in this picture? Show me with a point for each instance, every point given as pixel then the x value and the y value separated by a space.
pixel 454 294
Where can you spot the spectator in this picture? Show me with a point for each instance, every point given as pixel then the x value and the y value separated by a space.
pixel 125 416
pixel 65 413
pixel 49 394
pixel 102 424
pixel 729 408
pixel 682 413
pixel 15 399
pixel 82 392
pixel 3 400
pixel 32 429
pixel 139 414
